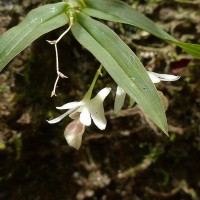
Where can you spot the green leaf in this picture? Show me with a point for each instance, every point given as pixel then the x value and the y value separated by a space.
pixel 118 11
pixel 122 64
pixel 38 22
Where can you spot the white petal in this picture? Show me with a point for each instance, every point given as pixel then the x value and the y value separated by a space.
pixel 153 78
pixel 119 99
pixel 70 105
pixel 73 134
pixel 166 77
pixel 102 94
pixel 85 116
pixel 57 119
pixel 156 78
pixel 98 115
pixel 97 110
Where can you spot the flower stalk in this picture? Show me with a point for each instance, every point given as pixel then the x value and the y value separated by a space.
pixel 55 42
pixel 89 92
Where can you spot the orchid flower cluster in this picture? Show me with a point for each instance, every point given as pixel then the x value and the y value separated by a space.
pixel 90 109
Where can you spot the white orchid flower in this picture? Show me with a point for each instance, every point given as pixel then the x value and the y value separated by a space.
pixel 83 112
pixel 87 110
pixel 155 78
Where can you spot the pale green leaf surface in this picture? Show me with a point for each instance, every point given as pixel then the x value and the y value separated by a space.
pixel 122 64
pixel 118 11
pixel 38 22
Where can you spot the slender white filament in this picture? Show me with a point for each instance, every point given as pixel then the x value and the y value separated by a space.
pixel 54 42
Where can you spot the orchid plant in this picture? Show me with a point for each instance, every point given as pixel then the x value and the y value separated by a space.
pixel 114 55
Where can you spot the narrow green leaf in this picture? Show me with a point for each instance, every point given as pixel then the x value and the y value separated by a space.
pixel 118 11
pixel 38 22
pixel 192 49
pixel 122 64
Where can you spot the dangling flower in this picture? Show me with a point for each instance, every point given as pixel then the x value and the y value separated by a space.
pixel 86 110
pixel 83 112
pixel 155 78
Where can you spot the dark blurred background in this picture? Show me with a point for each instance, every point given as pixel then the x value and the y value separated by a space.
pixel 132 159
